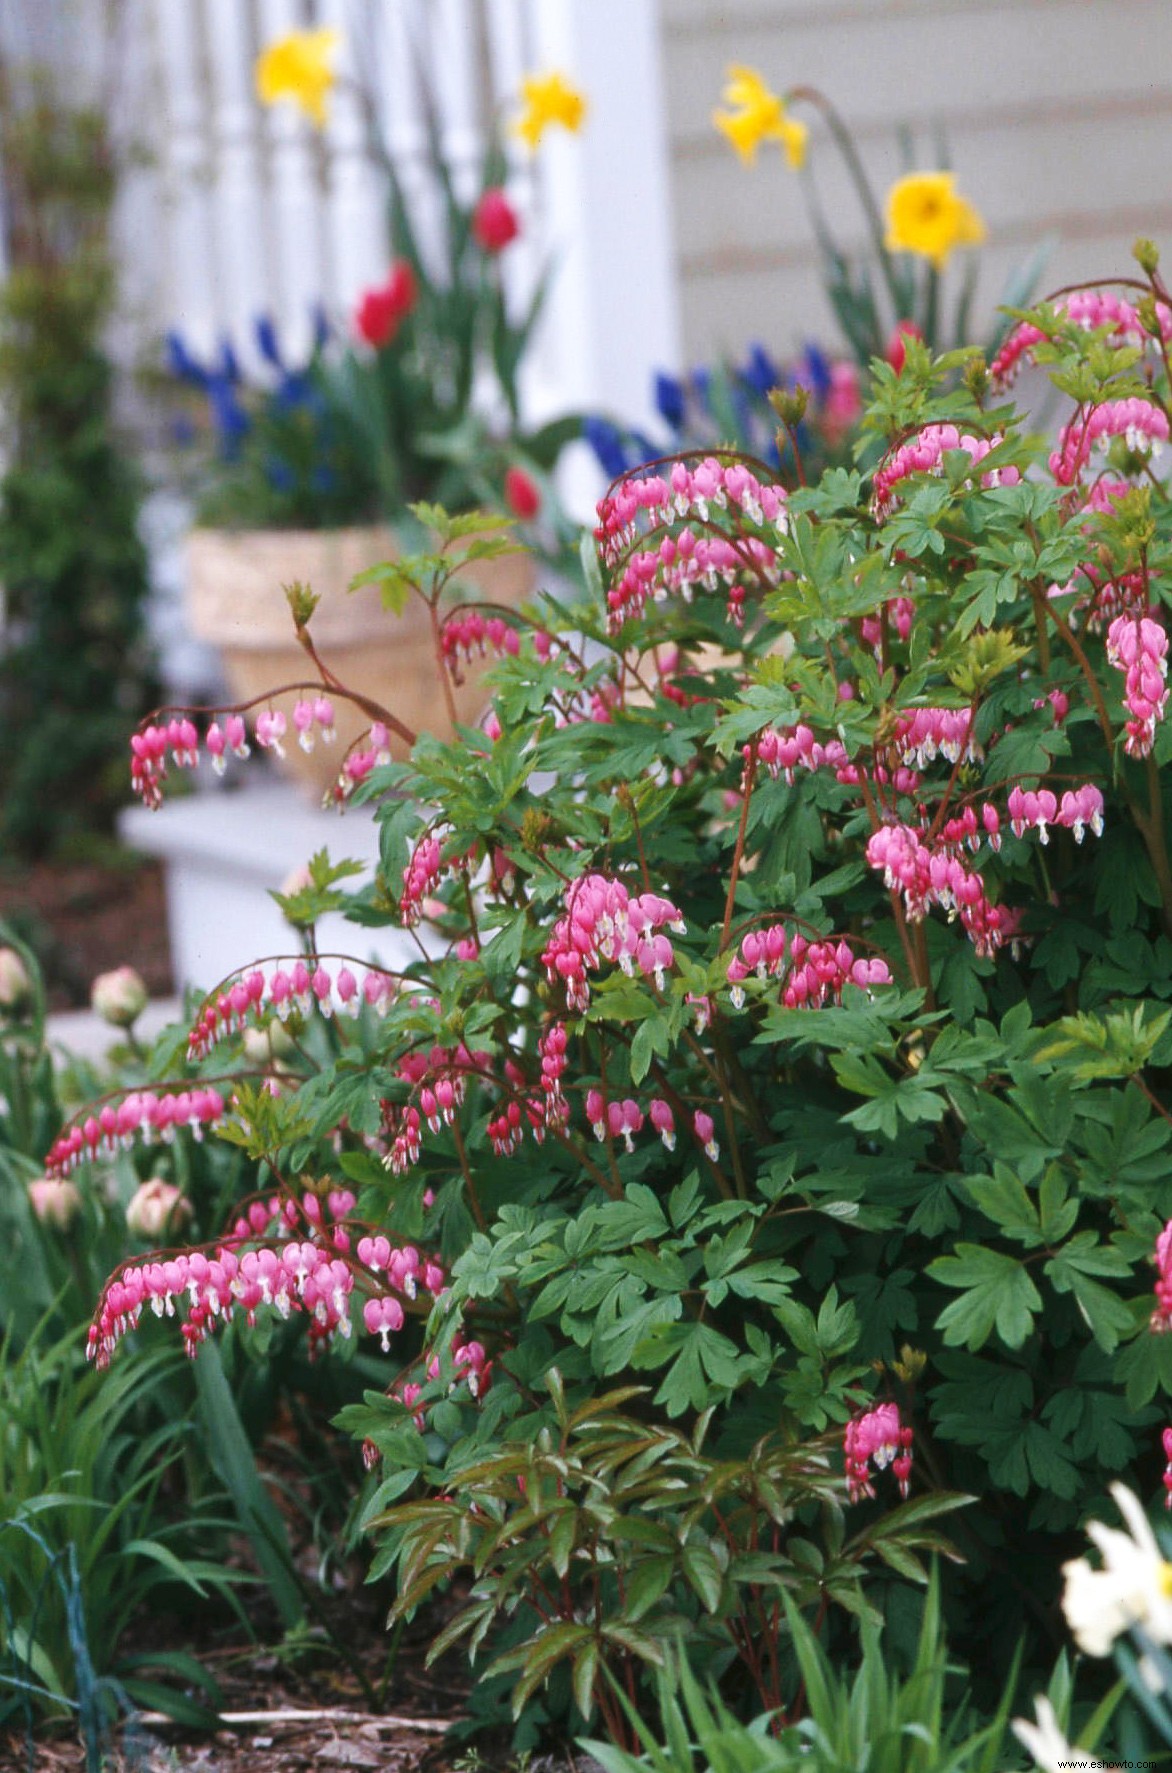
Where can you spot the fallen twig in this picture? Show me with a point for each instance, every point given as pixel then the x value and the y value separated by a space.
pixel 387 1721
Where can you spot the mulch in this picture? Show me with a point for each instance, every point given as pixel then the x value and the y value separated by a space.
pixel 88 917
pixel 281 1714
pixel 282 1746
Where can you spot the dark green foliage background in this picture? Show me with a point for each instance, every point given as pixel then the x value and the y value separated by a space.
pixel 74 676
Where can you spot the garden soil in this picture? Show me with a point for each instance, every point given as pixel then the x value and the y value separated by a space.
pixel 84 918
pixel 314 1714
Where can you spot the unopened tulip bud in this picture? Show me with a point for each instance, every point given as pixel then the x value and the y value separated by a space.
pixel 522 494
pixel 896 350
pixel 119 997
pixel 16 987
pixel 494 221
pixel 54 1201
pixel 155 1208
pixel 263 1045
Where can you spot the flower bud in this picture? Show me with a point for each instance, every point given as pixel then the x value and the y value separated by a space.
pixel 1149 315
pixel 16 987
pixel 263 1045
pixel 494 221
pixel 790 404
pixel 302 602
pixel 976 376
pixel 54 1201
pixel 119 997
pixel 896 352
pixel 296 881
pixel 521 494
pixel 1146 255
pixel 381 311
pixel 155 1208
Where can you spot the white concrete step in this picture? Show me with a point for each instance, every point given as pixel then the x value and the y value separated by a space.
pixel 225 852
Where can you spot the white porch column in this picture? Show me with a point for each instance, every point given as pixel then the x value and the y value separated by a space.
pixel 613 313
pixel 399 103
pixel 356 188
pixel 295 206
pixel 242 238
pixel 509 60
pixel 453 61
pixel 188 296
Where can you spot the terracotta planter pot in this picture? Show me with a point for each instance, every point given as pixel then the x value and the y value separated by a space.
pixel 236 602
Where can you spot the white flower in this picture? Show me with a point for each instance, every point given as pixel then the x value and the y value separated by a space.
pixel 156 1207
pixel 1133 1587
pixel 15 985
pixel 119 997
pixel 54 1201
pixel 1044 1740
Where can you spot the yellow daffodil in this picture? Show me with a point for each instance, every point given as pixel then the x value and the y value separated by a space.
pixel 299 67
pixel 925 215
pixel 548 99
pixel 758 115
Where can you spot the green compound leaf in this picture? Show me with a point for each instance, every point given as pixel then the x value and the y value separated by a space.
pixel 997 1294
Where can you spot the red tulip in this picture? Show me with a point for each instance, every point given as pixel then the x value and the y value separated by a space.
pixel 896 352
pixel 521 495
pixel 381 311
pixel 494 220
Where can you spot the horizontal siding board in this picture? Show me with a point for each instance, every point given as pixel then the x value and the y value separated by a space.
pixel 1025 179
pixel 882 66
pixel 964 124
pixel 704 18
pixel 782 304
pixel 1056 115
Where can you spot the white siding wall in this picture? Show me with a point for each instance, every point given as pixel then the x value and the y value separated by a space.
pixel 1057 115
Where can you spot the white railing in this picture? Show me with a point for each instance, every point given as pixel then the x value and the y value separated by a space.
pixel 229 211
pixel 257 213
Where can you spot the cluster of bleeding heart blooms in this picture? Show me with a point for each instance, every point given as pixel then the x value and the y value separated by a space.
pixel 924 453
pixel 814 972
pixel 1137 643
pixel 288 986
pixel 178 742
pixel 1093 310
pixel 1161 1319
pixel 926 867
pixel 920 735
pixel 657 535
pixel 604 922
pixel 264 1262
pixel 1142 424
pixel 294 1256
pixel 1161 1322
pixel 924 861
pixel 140 1114
pixel 1138 646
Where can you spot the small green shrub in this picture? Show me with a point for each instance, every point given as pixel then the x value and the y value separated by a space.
pixel 74 673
